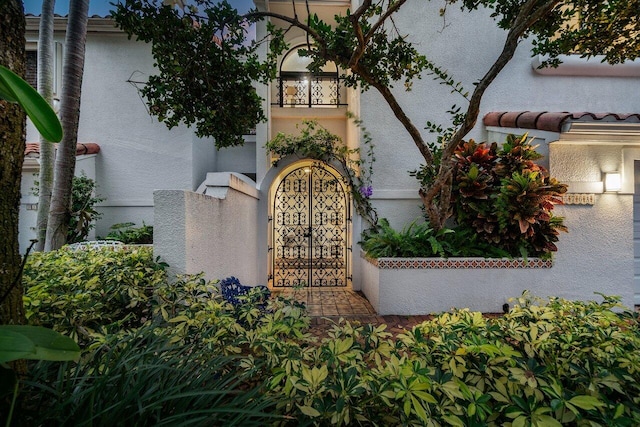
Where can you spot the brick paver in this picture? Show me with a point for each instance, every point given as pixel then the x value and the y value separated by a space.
pixel 326 306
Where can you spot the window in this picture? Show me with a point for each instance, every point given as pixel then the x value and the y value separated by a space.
pixel 298 87
pixel 32 66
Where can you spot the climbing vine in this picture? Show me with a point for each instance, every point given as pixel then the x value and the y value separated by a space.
pixel 356 164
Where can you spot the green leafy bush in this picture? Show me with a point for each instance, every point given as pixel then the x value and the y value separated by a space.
pixel 83 212
pixel 142 379
pixel 414 240
pixel 501 199
pixel 89 293
pixel 196 360
pixel 126 233
pixel 542 364
pixel 547 364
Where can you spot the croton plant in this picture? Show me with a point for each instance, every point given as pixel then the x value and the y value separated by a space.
pixel 507 198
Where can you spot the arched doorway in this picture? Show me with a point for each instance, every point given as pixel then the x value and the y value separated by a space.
pixel 310 220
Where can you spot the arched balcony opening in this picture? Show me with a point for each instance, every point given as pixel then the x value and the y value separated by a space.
pixel 297 87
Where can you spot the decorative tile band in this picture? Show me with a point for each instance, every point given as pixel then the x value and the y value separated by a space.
pixel 457 263
pixel 579 199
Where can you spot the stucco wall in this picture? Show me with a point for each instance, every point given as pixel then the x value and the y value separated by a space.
pixel 195 232
pixel 137 153
pixel 582 267
pixel 466 48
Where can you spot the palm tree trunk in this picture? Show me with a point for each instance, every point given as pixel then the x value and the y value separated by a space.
pixel 12 142
pixel 65 164
pixel 45 88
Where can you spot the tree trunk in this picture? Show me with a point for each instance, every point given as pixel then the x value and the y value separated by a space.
pixel 65 164
pixel 45 88
pixel 12 145
pixel 436 198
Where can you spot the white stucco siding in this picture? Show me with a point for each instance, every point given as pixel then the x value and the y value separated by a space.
pixel 203 153
pixel 466 48
pixel 137 153
pixel 217 235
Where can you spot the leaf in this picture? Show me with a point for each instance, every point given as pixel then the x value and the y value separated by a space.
pixel 178 319
pixel 453 420
pixel 309 411
pixel 547 421
pixel 586 402
pixel 36 343
pixel 14 89
pixel 14 346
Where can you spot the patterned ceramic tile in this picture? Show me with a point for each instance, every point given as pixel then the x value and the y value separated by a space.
pixel 457 263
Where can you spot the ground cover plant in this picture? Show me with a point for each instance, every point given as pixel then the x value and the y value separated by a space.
pixel 191 356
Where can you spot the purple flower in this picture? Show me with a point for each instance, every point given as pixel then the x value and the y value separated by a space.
pixel 366 191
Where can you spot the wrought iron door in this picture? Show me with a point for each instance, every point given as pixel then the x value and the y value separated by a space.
pixel 310 217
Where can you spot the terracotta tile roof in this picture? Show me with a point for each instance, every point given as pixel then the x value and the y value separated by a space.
pixel 550 121
pixel 33 149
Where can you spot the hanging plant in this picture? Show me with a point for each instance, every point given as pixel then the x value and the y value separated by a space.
pixel 317 143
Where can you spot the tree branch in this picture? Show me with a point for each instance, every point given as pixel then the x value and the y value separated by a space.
pixel 398 112
pixel 390 11
pixel 527 16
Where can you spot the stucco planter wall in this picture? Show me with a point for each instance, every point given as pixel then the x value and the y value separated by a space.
pixel 411 286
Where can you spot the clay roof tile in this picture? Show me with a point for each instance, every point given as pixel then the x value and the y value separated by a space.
pixel 33 149
pixel 551 121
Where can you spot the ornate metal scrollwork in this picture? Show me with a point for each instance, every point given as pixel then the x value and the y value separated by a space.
pixel 310 230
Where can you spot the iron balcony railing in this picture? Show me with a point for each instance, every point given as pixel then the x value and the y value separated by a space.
pixel 302 90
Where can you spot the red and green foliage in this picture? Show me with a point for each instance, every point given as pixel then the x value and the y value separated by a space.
pixel 507 198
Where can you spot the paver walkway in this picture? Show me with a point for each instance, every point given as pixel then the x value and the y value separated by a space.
pixel 328 305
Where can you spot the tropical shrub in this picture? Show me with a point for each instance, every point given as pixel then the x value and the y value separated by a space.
pixel 418 239
pixel 83 212
pixel 542 364
pixel 506 198
pixel 126 232
pixel 87 294
pixel 195 360
pixel 501 198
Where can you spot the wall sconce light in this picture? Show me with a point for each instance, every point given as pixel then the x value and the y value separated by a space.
pixel 612 181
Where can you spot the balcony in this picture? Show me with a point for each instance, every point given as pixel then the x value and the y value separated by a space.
pixel 305 90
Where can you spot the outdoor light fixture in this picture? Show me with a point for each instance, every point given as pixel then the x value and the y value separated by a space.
pixel 612 181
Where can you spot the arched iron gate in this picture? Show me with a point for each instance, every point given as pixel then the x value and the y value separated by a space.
pixel 309 238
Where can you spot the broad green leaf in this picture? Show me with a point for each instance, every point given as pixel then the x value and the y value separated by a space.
pixel 309 411
pixel 36 343
pixel 14 89
pixel 521 421
pixel 14 346
pixel 586 402
pixel 419 409
pixel 547 421
pixel 453 420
